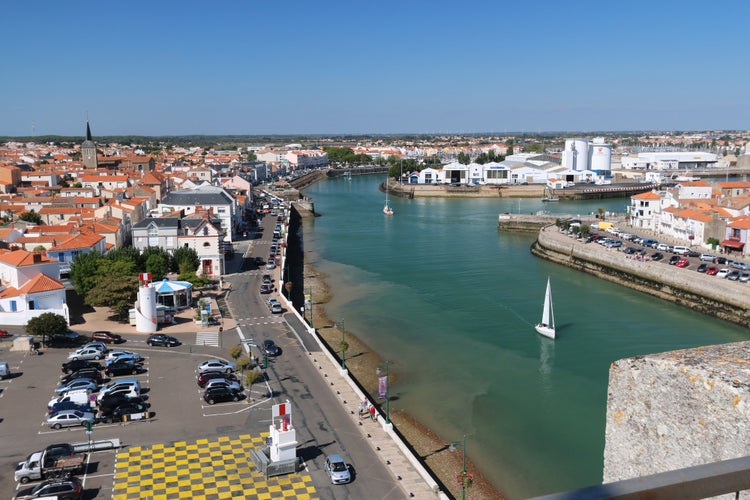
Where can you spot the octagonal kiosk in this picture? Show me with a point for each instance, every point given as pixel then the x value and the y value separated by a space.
pixel 280 456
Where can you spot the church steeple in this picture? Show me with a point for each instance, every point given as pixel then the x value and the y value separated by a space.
pixel 88 150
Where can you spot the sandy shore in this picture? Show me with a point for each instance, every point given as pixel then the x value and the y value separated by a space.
pixel 361 361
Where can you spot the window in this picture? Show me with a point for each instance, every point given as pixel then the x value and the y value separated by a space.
pixel 205 231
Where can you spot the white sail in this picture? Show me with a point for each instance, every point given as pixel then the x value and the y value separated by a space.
pixel 547 325
pixel 387 210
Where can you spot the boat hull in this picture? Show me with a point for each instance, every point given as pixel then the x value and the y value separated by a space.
pixel 545 330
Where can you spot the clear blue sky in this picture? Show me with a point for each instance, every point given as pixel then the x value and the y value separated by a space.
pixel 408 66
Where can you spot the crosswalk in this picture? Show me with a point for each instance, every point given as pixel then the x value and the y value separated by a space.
pixel 207 338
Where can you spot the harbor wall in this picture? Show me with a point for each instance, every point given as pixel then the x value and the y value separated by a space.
pixel 709 295
pixel 677 409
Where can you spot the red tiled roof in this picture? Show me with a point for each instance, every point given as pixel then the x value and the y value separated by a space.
pixel 19 258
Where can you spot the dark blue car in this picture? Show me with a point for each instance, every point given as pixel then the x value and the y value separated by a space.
pixel 68 405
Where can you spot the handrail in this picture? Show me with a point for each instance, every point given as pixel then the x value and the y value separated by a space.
pixel 700 481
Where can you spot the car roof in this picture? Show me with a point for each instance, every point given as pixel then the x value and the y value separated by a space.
pixel 335 458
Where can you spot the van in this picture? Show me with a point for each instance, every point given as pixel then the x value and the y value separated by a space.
pixel 4 370
pixel 80 397
pixel 680 250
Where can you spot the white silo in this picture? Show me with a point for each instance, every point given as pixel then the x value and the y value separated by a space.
pixel 601 157
pixel 576 154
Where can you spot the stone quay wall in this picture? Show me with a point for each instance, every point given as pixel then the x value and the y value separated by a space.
pixel 677 409
pixel 724 299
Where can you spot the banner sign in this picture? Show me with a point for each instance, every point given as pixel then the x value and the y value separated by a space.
pixel 382 386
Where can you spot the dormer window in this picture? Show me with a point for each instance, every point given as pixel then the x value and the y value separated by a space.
pixel 205 231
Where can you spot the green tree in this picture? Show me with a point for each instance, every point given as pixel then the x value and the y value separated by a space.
pixel 251 156
pixel 116 286
pixel 83 272
pixel 31 216
pixel 130 255
pixel 184 260
pixel 464 158
pixel 46 325
pixel 157 265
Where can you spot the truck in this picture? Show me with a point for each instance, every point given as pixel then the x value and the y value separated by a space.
pixel 49 463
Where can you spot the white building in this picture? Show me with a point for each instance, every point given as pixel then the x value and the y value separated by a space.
pixel 30 286
pixel 676 160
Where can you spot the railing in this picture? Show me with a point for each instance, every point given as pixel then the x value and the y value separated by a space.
pixel 701 481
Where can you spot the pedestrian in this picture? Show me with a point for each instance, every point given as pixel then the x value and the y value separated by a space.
pixel 372 413
pixel 361 410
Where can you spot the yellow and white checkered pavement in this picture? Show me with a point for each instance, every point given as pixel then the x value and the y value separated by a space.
pixel 205 469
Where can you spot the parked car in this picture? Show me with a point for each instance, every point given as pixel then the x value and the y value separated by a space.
pixel 220 394
pixel 116 414
pixel 337 469
pixel 86 373
pixel 107 337
pixel 62 489
pixel 722 273
pixel 664 247
pixel 683 262
pixel 64 339
pixel 113 356
pixel 629 250
pixel 265 288
pixel 267 279
pixel 79 364
pixel 657 256
pixel 86 353
pixel 707 257
pixel 270 348
pixel 96 344
pixel 162 340
pixel 228 384
pixel 674 259
pixel 68 405
pixel 216 365
pixel 205 377
pixel 744 277
pixel 613 244
pixel 712 270
pixel 702 268
pixel 739 265
pixel 270 264
pixel 733 275
pixel 122 367
pixel 77 384
pixel 274 306
pixel 69 418
pixel 112 401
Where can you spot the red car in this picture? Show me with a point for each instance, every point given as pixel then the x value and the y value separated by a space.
pixel 107 337
pixel 711 271
pixel 4 333
pixel 683 262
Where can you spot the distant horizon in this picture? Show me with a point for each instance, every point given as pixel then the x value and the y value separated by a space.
pixel 373 69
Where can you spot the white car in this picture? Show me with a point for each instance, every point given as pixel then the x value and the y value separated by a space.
pixel 86 353
pixel 68 418
pixel 96 345
pixel 216 365
pixel 722 273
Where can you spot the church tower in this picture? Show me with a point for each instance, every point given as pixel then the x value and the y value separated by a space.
pixel 88 150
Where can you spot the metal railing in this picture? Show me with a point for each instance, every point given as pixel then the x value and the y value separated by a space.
pixel 701 481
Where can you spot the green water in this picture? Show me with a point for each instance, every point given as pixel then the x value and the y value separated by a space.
pixel 437 290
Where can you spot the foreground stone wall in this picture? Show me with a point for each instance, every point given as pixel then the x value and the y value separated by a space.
pixel 677 409
pixel 724 299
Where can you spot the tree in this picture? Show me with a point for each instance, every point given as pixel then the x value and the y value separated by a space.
pixel 32 217
pixel 116 286
pixel 463 158
pixel 157 265
pixel 184 260
pixel 83 272
pixel 46 325
pixel 252 377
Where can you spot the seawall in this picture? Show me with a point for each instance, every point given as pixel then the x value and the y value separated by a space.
pixel 709 295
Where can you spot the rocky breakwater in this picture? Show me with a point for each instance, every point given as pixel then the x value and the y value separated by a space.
pixel 677 409
pixel 727 300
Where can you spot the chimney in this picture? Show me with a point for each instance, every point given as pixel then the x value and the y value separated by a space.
pixel 37 257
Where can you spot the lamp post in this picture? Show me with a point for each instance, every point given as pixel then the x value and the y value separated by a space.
pixel 452 448
pixel 378 371
pixel 310 302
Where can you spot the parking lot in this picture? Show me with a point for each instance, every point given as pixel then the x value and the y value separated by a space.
pixel 169 383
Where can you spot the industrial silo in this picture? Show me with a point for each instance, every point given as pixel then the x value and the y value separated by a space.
pixel 601 158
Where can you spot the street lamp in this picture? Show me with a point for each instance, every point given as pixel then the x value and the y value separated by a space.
pixel 452 448
pixel 378 371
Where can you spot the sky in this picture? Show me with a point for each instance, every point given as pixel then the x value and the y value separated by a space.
pixel 387 67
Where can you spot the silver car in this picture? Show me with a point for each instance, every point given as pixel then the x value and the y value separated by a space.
pixel 78 384
pixel 221 382
pixel 69 418
pixel 217 365
pixel 337 469
pixel 86 353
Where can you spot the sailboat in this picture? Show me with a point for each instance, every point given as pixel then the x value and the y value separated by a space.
pixel 547 326
pixel 387 210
